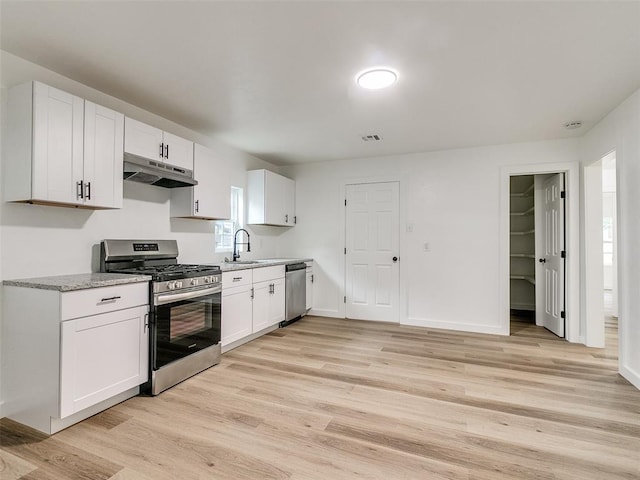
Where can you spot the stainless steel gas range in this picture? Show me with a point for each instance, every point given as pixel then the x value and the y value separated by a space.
pixel 185 308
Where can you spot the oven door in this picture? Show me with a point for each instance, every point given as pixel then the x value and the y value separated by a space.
pixel 184 323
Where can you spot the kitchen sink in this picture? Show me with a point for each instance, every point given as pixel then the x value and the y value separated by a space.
pixel 242 262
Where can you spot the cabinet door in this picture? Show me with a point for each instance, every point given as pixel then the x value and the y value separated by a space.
pixel 57 145
pixel 102 356
pixel 289 200
pixel 261 302
pixel 142 140
pixel 212 195
pixel 178 151
pixel 277 302
pixel 309 301
pixel 237 313
pixel 274 199
pixel 103 153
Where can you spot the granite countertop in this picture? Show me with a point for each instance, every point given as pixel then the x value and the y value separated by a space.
pixel 69 283
pixel 267 262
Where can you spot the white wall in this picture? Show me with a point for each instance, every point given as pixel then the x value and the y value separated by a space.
pixel 452 199
pixel 620 131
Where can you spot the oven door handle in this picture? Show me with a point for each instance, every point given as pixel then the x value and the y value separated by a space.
pixel 176 297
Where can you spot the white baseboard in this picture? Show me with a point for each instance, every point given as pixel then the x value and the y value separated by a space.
pixel 631 375
pixel 248 338
pixel 461 327
pixel 325 313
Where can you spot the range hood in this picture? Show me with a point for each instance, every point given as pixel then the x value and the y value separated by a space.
pixel 152 172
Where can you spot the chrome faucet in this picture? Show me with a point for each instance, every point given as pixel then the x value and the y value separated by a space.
pixel 236 255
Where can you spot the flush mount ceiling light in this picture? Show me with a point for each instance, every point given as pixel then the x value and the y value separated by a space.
pixel 377 78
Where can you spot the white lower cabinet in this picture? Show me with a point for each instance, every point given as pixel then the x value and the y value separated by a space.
pixel 310 282
pixel 237 306
pixel 72 354
pixel 268 304
pixel 252 301
pixel 102 356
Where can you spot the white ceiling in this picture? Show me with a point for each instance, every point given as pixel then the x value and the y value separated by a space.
pixel 276 79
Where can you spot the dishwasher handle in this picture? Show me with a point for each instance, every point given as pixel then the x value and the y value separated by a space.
pixel 292 267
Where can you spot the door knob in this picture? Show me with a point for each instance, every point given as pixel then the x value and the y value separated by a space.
pixel 395 259
pixel 543 260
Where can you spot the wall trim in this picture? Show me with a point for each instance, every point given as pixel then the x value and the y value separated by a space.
pixel 460 327
pixel 319 312
pixel 631 375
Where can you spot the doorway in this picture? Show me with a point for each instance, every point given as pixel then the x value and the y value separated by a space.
pixel 571 310
pixel 372 274
pixel 537 251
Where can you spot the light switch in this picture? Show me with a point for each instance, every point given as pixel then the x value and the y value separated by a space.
pixel 426 247
pixel 409 227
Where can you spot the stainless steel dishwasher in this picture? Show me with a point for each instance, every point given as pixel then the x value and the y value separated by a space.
pixel 295 292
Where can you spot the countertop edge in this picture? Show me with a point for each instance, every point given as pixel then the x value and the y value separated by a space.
pixel 231 267
pixel 70 283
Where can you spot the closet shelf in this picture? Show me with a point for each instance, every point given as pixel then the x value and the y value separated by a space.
pixel 522 255
pixel 529 278
pixel 527 193
pixel 526 212
pixel 527 232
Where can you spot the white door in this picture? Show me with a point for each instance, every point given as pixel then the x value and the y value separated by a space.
pixel 237 314
pixel 103 153
pixel 212 197
pixel 102 356
pixel 551 258
pixel 143 140
pixel 57 145
pixel 178 151
pixel 275 199
pixel 372 251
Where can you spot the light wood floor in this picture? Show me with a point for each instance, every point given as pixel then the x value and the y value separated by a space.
pixel 333 399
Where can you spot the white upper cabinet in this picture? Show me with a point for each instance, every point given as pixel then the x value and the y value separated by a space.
pixel 271 199
pixel 211 198
pixel 143 140
pixel 53 157
pixel 149 142
pixel 103 154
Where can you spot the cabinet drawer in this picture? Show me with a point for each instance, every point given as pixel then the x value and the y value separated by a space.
pixel 236 278
pixel 83 303
pixel 268 273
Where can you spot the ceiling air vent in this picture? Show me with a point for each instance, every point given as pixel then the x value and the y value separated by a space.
pixel 372 138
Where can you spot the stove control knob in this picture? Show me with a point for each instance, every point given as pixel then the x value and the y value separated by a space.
pixel 178 284
pixel 194 282
pixel 171 285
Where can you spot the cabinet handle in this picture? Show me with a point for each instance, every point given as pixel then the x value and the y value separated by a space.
pixel 271 288
pixel 166 151
pixel 110 299
pixel 161 150
pixel 312 278
pixel 286 218
pixel 295 219
pixel 197 205
pixel 80 189
pixel 87 191
pixel 146 322
pixel 237 279
pixel 252 293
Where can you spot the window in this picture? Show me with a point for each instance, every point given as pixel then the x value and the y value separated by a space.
pixel 226 228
